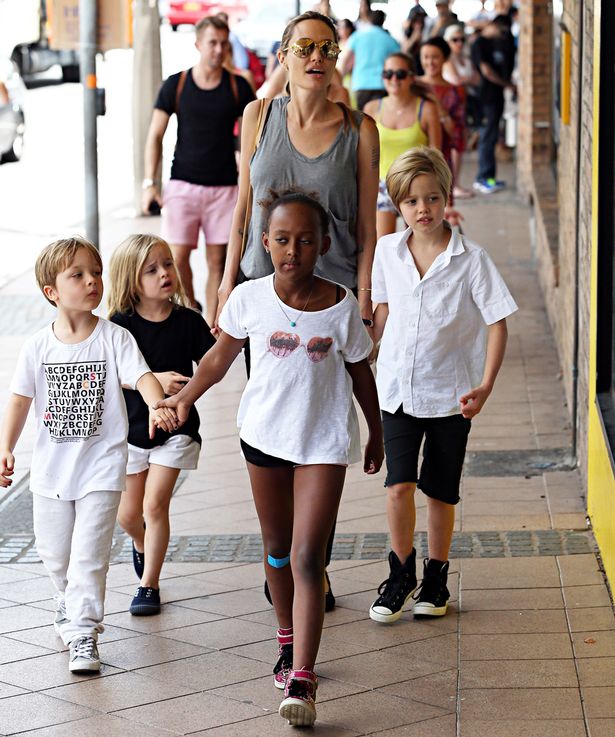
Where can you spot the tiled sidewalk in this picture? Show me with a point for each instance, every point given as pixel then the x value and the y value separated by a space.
pixel 527 649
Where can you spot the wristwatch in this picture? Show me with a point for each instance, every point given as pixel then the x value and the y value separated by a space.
pixel 147 183
pixel 368 323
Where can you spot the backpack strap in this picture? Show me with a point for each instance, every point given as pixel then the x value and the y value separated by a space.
pixel 180 88
pixel 234 90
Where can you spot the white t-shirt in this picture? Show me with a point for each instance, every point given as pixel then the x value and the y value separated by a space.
pixel 434 343
pixel 80 410
pixel 298 404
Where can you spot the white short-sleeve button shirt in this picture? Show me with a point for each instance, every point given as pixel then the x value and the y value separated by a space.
pixel 434 343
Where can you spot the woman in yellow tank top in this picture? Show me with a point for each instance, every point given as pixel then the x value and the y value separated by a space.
pixel 404 120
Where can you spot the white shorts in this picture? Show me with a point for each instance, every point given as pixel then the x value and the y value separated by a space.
pixel 179 451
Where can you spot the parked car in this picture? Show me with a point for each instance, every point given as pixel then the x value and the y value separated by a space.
pixel 12 118
pixel 191 11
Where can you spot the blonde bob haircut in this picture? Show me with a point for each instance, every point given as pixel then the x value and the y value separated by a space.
pixel 413 163
pixel 56 257
pixel 125 268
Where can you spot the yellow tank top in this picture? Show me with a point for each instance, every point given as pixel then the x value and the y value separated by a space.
pixel 393 142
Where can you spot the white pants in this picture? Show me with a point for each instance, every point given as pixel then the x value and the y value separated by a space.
pixel 73 539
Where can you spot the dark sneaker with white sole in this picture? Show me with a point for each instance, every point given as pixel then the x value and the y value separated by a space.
pixel 83 655
pixel 396 590
pixel 146 602
pixel 432 594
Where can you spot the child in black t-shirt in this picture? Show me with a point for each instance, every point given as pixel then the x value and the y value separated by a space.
pixel 147 298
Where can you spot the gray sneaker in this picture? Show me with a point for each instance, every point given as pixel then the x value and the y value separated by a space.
pixel 60 618
pixel 84 657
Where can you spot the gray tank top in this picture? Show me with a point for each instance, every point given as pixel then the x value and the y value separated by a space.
pixel 278 165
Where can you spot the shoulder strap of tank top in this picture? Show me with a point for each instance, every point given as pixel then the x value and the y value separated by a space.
pixel 349 120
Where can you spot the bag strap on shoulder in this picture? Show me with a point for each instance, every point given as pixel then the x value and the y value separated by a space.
pixel 182 81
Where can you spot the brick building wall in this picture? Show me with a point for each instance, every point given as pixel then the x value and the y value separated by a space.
pixel 548 177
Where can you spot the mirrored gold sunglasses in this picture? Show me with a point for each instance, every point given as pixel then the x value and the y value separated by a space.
pixel 303 47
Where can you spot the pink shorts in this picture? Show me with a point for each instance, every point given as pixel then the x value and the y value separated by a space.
pixel 189 207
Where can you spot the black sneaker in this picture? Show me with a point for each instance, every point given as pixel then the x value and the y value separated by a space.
pixel 146 601
pixel 432 595
pixel 138 561
pixel 395 590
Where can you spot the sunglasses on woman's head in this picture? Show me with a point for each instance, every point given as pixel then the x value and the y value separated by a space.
pixel 303 47
pixel 399 73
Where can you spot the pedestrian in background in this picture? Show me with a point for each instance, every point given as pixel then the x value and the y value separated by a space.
pixel 493 54
pixel 404 119
pixel 74 370
pixel 201 195
pixel 441 312
pixel 147 298
pixel 365 53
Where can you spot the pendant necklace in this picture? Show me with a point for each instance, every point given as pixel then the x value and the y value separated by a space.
pixel 293 323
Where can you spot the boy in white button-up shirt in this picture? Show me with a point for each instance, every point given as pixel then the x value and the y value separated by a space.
pixel 442 308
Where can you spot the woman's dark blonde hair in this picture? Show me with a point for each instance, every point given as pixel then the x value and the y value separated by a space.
pixel 125 268
pixel 308 15
pixel 413 163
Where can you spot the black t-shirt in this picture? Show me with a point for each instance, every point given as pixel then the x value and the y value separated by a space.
pixel 205 152
pixel 499 54
pixel 171 345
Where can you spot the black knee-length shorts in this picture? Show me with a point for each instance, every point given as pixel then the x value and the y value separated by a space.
pixel 443 452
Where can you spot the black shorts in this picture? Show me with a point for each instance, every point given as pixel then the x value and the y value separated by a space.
pixel 443 453
pixel 257 458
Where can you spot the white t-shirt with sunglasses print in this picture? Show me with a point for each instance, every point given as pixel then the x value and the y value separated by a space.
pixel 297 404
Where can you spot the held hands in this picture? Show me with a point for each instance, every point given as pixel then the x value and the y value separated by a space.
pixel 179 408
pixel 472 402
pixel 171 381
pixel 7 468
pixel 164 418
pixel 453 216
pixel 374 454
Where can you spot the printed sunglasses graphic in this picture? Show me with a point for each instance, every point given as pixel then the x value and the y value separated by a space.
pixel 282 345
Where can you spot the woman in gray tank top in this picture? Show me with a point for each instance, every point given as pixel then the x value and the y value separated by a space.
pixel 321 147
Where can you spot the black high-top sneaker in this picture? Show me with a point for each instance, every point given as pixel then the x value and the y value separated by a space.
pixel 432 595
pixel 395 590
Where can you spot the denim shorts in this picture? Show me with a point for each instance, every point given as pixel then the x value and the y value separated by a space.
pixel 443 452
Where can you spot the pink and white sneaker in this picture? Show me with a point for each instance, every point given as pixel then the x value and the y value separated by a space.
pixel 285 657
pixel 299 706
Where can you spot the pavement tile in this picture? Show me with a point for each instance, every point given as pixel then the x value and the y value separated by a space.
pixel 601 727
pixel 35 710
pixel 212 670
pixel 19 572
pixel 46 637
pixel 509 573
pixel 12 650
pixel 119 691
pixel 170 617
pixel 579 597
pixel 524 728
pixel 594 644
pixel 273 726
pixel 516 647
pixel 19 618
pixel 221 633
pixel 144 650
pixel 7 690
pixel 435 689
pixel 580 570
pixel 374 710
pixel 438 650
pixel 445 726
pixel 487 705
pixel 517 599
pixel 231 604
pixel 599 701
pixel 179 588
pixel 187 714
pixel 518 674
pixel 596 671
pixel 406 629
pixel 102 725
pixel 511 622
pixel 47 671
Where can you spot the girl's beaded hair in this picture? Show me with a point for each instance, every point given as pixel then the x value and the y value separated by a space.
pixel 125 267
pixel 295 196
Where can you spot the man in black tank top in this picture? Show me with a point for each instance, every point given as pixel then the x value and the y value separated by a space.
pixel 208 101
